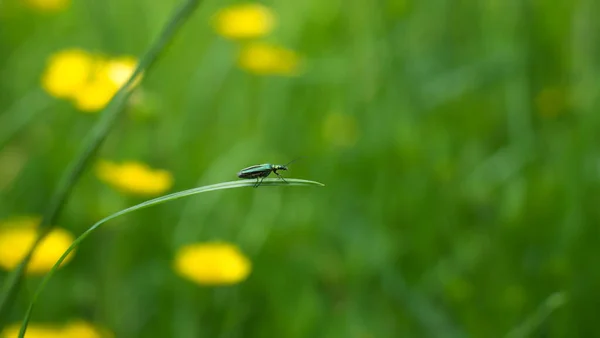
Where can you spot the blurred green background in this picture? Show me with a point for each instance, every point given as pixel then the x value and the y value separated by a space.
pixel 458 141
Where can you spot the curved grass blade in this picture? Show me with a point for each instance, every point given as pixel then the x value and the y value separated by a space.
pixel 152 202
pixel 540 316
pixel 91 143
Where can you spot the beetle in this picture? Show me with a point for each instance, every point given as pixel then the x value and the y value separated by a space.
pixel 260 171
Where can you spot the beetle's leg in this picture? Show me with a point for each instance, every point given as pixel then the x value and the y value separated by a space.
pixel 281 177
pixel 261 179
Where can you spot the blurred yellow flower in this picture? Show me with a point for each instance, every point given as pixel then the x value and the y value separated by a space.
pixel 340 130
pixel 48 5
pixel 243 21
pixel 82 329
pixel 75 329
pixel 66 72
pixel 135 178
pixel 33 331
pixel 90 81
pixel 120 69
pixel 213 263
pixel 267 59
pixel 18 234
pixel 95 95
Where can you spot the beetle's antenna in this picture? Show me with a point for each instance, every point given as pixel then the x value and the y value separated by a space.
pixel 292 161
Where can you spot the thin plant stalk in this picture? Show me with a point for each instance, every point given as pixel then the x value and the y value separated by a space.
pixel 90 145
pixel 143 205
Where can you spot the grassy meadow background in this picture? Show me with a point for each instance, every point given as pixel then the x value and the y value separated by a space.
pixel 458 142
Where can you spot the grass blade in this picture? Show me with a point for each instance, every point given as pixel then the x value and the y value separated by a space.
pixel 91 144
pixel 543 312
pixel 143 205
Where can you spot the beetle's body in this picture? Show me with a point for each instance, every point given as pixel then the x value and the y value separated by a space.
pixel 261 171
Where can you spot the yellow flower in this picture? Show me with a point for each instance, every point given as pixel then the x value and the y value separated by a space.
pixel 75 329
pixel 33 331
pixel 90 81
pixel 267 59
pixel 340 130
pixel 135 178
pixel 18 234
pixel 82 329
pixel 67 71
pixel 212 264
pixel 48 5
pixel 95 95
pixel 109 76
pixel 244 21
pixel 120 69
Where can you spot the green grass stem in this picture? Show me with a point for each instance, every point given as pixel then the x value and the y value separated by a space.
pixel 156 201
pixel 90 146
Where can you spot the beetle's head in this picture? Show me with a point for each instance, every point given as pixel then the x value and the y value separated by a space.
pixel 280 167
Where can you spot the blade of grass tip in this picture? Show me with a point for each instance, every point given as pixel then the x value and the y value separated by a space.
pixel 528 327
pixel 149 203
pixel 93 142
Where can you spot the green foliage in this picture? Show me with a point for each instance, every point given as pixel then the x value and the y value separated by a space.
pixel 90 146
pixel 458 141
pixel 156 201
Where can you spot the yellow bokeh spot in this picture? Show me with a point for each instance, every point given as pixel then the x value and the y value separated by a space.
pixel 48 5
pixel 213 263
pixel 340 130
pixel 244 21
pixel 104 83
pixel 267 59
pixel 119 70
pixel 89 81
pixel 134 178
pixel 82 329
pixel 75 329
pixel 33 331
pixel 96 94
pixel 18 235
pixel 66 72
